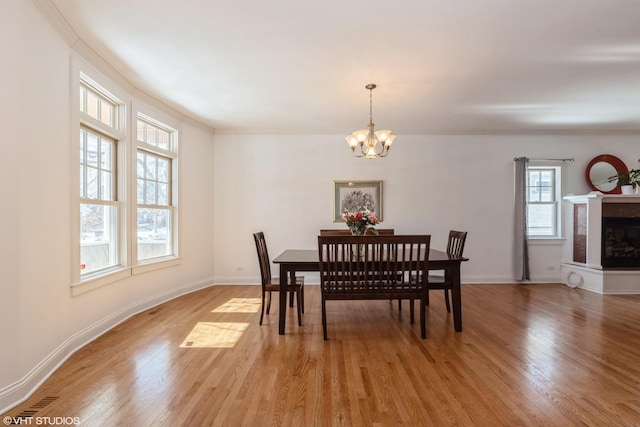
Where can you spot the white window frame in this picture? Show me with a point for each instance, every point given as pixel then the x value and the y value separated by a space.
pixel 166 122
pixel 557 202
pixel 83 73
pixel 125 136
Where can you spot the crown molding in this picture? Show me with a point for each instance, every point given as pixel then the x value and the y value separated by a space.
pixel 51 13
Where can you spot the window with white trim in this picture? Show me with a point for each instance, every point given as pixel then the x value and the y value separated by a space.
pixel 155 211
pixel 100 212
pixel 543 202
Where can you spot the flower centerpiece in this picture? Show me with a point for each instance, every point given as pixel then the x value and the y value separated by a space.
pixel 360 222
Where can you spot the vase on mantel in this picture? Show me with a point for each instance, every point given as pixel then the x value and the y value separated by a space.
pixel 627 189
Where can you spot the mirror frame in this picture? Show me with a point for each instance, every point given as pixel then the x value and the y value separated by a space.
pixel 617 164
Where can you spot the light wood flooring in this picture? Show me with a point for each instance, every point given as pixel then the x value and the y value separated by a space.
pixel 528 355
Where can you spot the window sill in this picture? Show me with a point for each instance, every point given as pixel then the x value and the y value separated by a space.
pixel 155 264
pixel 119 273
pixel 91 283
pixel 541 241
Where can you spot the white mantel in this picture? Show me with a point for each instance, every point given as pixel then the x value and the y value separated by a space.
pixel 590 275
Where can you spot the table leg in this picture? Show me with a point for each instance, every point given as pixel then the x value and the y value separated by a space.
pixel 282 312
pixel 292 280
pixel 456 297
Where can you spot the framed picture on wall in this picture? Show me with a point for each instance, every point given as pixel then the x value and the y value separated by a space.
pixel 356 196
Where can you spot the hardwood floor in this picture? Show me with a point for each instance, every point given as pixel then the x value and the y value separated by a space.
pixel 534 355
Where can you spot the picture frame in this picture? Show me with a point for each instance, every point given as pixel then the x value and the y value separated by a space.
pixel 356 196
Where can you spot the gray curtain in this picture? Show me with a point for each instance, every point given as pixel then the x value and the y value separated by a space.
pixel 521 246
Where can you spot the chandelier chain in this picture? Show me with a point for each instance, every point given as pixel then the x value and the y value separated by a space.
pixel 371 105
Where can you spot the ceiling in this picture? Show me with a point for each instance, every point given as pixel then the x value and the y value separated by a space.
pixel 456 66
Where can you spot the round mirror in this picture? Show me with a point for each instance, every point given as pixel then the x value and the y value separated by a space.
pixel 600 169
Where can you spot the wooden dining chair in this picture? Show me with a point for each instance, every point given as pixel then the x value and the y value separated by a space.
pixel 343 232
pixel 455 246
pixel 270 284
pixel 372 268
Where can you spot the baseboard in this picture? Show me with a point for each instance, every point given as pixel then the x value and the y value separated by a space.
pixel 20 391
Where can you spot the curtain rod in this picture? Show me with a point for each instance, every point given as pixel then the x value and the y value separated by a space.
pixel 515 159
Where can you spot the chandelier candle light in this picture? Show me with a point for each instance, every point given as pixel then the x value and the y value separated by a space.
pixel 372 144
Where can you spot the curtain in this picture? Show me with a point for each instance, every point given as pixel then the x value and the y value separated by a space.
pixel 521 246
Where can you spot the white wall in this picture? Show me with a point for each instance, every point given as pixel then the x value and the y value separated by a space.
pixel 10 111
pixel 282 184
pixel 239 184
pixel 40 322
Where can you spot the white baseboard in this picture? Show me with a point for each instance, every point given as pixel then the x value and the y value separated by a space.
pixel 20 391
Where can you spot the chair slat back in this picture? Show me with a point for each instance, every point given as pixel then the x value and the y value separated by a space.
pixel 342 232
pixel 263 257
pixel 373 267
pixel 455 245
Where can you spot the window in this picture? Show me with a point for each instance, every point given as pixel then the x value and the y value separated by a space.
pixel 100 216
pixel 155 159
pixel 543 206
pixel 125 193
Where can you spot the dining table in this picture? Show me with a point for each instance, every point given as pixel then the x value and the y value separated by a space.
pixel 291 261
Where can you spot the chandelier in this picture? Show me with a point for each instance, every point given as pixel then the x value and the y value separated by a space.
pixel 372 143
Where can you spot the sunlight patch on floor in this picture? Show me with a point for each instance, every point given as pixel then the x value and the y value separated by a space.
pixel 214 335
pixel 240 305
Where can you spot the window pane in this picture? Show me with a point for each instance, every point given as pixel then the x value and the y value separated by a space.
pixel 92 149
pixel 163 195
pixel 546 176
pixel 541 220
pixel 150 193
pixel 98 237
pixel 92 105
pixel 163 170
pixel 105 155
pixel 153 180
pixel 98 167
pixel 151 135
pixel 106 185
pixel 154 238
pixel 163 139
pixel 150 167
pixel 154 135
pixel 106 113
pixel 92 183
pixel 546 194
pixel 140 191
pixel 140 166
pixel 141 130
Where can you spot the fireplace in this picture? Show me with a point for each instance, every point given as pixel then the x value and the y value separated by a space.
pixel 620 242
pixel 605 243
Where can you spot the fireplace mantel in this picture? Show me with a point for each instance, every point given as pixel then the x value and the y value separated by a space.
pixel 606 198
pixel 588 266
